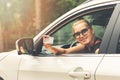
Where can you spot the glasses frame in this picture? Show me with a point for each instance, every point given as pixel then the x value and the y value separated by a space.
pixel 82 32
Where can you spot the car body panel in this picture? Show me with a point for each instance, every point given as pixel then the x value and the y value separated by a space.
pixel 49 68
pixel 3 55
pixel 109 69
pixel 9 66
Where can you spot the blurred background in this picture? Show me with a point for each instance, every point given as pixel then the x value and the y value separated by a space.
pixel 26 18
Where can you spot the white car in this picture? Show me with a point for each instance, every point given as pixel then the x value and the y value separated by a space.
pixel 36 63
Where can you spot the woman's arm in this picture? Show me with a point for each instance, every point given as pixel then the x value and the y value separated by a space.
pixel 56 50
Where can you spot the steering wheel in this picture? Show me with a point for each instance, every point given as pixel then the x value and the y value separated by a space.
pixel 70 45
pixel 75 43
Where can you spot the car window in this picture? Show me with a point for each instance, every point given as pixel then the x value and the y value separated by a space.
pixel 99 20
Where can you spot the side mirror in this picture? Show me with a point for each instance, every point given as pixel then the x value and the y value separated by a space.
pixel 24 46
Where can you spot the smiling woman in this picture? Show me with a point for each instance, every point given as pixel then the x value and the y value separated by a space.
pixel 84 35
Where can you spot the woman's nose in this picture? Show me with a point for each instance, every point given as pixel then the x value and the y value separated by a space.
pixel 81 35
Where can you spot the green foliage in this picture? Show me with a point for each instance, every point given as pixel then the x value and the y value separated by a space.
pixel 62 6
pixel 52 9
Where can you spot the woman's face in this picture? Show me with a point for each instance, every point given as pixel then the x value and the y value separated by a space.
pixel 83 33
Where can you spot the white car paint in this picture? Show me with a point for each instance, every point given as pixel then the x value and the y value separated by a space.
pixel 28 67
pixel 109 69
pixel 9 65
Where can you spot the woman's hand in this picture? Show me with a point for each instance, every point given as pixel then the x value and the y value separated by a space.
pixel 46 42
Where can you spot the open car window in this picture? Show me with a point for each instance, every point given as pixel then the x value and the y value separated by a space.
pixel 99 20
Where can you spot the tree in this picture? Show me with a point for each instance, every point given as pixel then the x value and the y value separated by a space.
pixel 52 9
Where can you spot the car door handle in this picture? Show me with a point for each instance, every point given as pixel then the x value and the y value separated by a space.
pixel 82 74
pixel 79 73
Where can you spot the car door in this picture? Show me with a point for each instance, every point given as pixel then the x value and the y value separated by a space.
pixel 109 68
pixel 77 66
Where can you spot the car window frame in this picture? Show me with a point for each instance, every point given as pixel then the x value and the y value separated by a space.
pixel 107 43
pixel 116 32
pixel 71 18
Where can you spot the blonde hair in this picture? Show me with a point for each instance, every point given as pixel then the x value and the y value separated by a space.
pixel 81 21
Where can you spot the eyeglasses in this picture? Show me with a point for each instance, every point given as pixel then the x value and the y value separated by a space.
pixel 83 32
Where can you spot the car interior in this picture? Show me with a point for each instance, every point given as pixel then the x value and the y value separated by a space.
pixel 99 20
